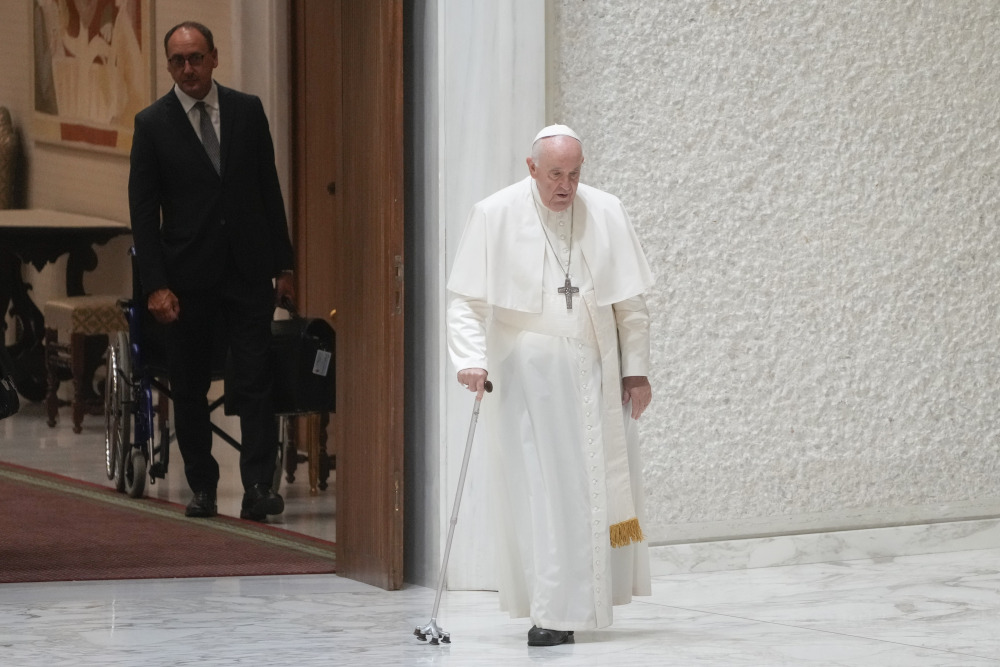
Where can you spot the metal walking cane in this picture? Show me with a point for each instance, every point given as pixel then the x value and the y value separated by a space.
pixel 431 629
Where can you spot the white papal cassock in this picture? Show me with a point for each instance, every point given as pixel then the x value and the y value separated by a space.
pixel 564 459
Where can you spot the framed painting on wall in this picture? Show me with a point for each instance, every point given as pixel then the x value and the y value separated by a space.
pixel 92 62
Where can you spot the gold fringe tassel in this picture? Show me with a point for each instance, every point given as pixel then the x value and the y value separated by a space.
pixel 625 533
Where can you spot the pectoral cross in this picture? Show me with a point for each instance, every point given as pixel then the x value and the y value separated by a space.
pixel 569 291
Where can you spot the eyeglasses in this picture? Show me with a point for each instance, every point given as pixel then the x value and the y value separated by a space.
pixel 177 62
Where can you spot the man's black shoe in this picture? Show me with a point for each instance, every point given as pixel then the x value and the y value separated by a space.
pixel 259 501
pixel 202 505
pixel 542 637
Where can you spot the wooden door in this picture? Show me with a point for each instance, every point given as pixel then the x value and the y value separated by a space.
pixel 348 229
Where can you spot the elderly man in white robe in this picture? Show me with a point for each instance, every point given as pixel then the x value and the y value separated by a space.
pixel 546 298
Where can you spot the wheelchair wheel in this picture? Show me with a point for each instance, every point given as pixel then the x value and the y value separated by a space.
pixel 279 463
pixel 134 470
pixel 279 468
pixel 118 409
pixel 110 413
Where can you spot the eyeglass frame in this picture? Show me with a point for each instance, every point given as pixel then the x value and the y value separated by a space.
pixel 178 61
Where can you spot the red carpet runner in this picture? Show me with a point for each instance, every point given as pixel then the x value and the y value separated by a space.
pixel 57 529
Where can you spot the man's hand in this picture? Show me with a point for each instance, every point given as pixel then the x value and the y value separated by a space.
pixel 473 379
pixel 284 290
pixel 636 388
pixel 164 306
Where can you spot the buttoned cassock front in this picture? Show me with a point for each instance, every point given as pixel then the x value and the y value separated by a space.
pixel 556 413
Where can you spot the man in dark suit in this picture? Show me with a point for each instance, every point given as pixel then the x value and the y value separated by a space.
pixel 210 233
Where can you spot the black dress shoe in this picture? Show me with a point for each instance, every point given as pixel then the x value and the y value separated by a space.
pixel 259 501
pixel 541 637
pixel 202 505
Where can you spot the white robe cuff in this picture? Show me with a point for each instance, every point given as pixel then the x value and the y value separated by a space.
pixel 632 319
pixel 467 318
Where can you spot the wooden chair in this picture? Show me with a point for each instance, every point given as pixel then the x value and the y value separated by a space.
pixel 76 337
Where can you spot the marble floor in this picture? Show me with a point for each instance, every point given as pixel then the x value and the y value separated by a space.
pixel 940 609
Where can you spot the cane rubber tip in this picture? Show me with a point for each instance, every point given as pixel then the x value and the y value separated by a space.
pixel 488 386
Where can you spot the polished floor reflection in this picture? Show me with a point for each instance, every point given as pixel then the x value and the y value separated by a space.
pixel 936 610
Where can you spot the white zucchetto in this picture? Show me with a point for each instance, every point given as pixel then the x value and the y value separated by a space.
pixel 557 131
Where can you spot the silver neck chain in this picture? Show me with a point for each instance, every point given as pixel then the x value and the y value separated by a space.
pixel 545 231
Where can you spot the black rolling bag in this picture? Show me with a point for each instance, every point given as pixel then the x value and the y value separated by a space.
pixel 304 350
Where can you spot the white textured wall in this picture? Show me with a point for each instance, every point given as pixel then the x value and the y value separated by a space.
pixel 816 185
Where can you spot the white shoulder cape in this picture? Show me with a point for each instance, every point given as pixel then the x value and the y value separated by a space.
pixel 501 255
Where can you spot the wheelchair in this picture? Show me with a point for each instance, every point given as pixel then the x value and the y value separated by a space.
pixel 137 427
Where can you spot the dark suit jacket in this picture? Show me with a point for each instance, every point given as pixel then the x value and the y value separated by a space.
pixel 207 219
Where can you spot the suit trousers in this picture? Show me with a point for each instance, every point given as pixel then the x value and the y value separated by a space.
pixel 235 315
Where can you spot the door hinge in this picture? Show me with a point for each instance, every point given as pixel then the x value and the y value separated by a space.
pixel 398 263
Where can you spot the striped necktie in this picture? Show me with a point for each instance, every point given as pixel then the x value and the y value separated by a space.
pixel 209 138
